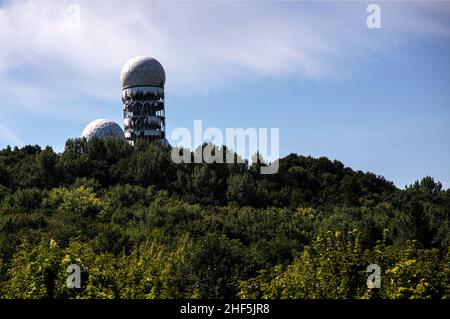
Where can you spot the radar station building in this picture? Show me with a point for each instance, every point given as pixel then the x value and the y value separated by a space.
pixel 142 79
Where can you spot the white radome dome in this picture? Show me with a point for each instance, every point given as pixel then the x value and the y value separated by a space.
pixel 102 128
pixel 142 71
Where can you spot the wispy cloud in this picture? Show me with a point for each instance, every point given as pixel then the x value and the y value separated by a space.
pixel 202 45
pixel 9 137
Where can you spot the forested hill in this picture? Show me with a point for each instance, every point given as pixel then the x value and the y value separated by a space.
pixel 142 226
pixel 301 181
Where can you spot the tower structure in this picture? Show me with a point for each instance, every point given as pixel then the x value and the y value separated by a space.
pixel 143 80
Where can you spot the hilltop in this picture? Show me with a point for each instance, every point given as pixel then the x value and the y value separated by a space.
pixel 141 226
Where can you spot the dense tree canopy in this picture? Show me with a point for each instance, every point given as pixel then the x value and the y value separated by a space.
pixel 141 226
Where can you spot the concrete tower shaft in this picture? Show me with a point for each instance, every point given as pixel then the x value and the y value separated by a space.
pixel 143 80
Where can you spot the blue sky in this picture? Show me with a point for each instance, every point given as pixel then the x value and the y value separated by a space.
pixel 377 100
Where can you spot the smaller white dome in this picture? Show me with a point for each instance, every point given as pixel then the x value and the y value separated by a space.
pixel 102 128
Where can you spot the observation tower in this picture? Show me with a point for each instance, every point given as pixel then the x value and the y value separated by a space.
pixel 143 80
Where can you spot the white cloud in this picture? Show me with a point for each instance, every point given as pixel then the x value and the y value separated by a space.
pixel 9 137
pixel 202 45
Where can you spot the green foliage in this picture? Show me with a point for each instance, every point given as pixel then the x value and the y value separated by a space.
pixel 332 267
pixel 215 266
pixel 241 189
pixel 33 271
pixel 140 226
pixel 79 201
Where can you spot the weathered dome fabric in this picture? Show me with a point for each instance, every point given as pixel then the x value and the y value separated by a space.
pixel 103 128
pixel 142 71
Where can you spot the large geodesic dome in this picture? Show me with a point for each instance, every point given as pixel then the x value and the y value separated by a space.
pixel 102 128
pixel 142 71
